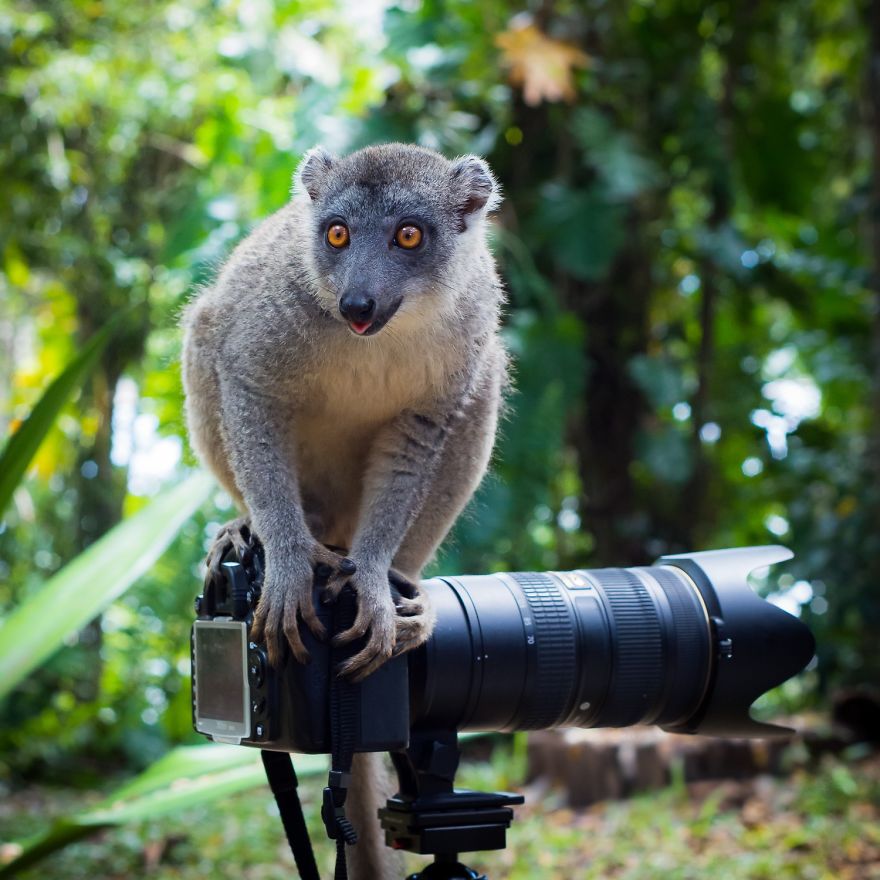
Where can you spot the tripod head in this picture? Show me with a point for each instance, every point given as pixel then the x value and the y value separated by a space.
pixel 429 816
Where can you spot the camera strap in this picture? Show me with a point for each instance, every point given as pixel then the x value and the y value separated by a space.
pixel 344 698
pixel 283 782
pixel 344 705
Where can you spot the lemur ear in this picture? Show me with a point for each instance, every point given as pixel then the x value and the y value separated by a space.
pixel 312 170
pixel 475 188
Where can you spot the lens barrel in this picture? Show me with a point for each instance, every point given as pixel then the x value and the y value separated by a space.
pixel 605 648
pixel 609 648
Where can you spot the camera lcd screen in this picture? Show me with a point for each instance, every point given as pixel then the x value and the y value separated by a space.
pixel 220 672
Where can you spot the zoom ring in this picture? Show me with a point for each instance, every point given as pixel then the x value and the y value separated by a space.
pixel 637 677
pixel 547 695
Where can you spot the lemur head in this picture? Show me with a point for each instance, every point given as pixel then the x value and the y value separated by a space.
pixel 390 222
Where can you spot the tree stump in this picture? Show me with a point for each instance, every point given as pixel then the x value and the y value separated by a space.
pixel 596 765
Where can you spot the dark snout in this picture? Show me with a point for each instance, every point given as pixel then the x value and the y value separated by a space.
pixel 357 308
pixel 367 312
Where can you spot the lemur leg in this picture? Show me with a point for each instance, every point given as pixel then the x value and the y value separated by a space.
pixel 462 465
pixel 203 398
pixel 371 786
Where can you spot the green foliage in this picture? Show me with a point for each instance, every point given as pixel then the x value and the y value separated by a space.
pixel 693 300
pixel 95 578
pixel 819 824
pixel 23 444
pixel 182 780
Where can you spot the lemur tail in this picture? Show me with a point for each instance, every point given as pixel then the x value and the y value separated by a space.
pixel 369 858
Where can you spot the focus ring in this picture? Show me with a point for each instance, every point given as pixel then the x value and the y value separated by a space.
pixel 637 677
pixel 547 695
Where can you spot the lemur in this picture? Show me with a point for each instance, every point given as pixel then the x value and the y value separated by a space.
pixel 344 375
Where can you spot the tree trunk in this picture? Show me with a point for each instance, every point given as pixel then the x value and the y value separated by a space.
pixel 874 234
pixel 615 314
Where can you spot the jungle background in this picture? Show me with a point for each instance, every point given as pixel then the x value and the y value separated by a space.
pixel 690 240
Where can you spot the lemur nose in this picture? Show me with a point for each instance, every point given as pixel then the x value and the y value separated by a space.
pixel 357 307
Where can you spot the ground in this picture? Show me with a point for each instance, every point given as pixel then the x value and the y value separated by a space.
pixel 821 822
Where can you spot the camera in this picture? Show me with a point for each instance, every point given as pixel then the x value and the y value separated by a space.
pixel 684 644
pixel 239 698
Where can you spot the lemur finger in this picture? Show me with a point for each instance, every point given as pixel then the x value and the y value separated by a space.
pixel 414 630
pixel 258 627
pixel 403 585
pixel 377 650
pixel 273 647
pixel 271 634
pixel 342 573
pixel 232 535
pixel 411 632
pixel 310 618
pixel 294 639
pixel 412 624
pixel 361 624
pixel 409 607
pixel 403 645
pixel 322 556
pixel 267 617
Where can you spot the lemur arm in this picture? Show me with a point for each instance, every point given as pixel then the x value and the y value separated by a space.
pixel 399 474
pixel 402 464
pixel 254 437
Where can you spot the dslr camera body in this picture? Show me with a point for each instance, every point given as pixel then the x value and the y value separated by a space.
pixel 239 698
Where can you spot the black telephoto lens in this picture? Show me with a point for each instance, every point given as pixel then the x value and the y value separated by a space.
pixel 684 644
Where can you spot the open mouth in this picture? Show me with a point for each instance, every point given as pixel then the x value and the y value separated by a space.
pixel 360 328
pixel 370 328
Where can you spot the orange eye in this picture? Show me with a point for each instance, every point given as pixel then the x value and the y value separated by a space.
pixel 408 236
pixel 337 235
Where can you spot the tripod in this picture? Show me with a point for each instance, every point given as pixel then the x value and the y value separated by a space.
pixel 429 816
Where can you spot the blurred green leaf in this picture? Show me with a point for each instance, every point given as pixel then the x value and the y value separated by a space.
pixel 581 228
pixel 85 586
pixel 614 154
pixel 184 778
pixel 22 446
pixel 660 378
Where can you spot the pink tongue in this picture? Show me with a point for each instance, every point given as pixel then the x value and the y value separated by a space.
pixel 360 328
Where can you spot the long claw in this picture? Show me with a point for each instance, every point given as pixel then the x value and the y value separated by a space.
pixel 258 627
pixel 294 639
pixel 366 661
pixel 310 618
pixel 409 607
pixel 355 631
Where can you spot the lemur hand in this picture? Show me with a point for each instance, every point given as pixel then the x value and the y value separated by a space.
pixel 287 596
pixel 395 623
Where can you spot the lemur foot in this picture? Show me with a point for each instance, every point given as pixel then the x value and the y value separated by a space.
pixel 415 614
pixel 286 596
pixel 235 535
pixel 394 611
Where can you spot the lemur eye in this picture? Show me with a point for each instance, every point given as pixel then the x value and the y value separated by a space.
pixel 408 236
pixel 337 235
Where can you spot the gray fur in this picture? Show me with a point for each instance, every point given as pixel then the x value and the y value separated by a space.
pixel 373 443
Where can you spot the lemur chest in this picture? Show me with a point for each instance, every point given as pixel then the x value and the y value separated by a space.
pixel 338 416
pixel 367 392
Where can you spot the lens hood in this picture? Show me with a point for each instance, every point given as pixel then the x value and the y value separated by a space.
pixel 758 645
